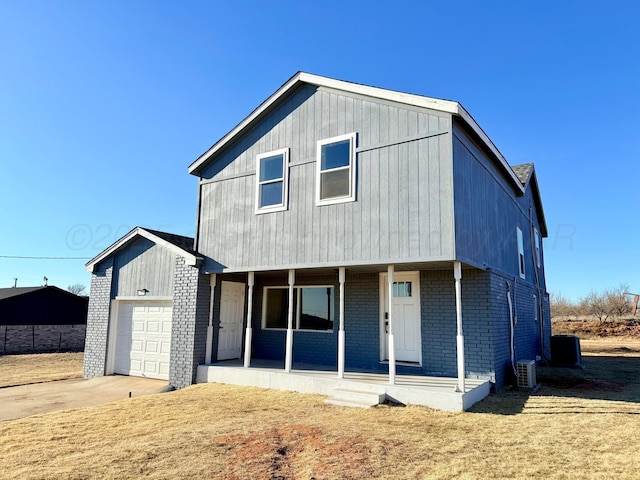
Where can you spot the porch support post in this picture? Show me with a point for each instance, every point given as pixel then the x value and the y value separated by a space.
pixel 341 347
pixel 392 346
pixel 209 345
pixel 288 359
pixel 249 331
pixel 457 275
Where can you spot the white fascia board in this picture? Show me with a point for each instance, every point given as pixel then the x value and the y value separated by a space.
pixel 381 93
pixel 110 250
pixel 468 119
pixel 446 106
pixel 302 77
pixel 238 128
pixel 190 259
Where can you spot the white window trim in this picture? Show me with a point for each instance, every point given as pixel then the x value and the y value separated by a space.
pixel 285 180
pixel 521 258
pixel 536 236
pixel 296 319
pixel 352 169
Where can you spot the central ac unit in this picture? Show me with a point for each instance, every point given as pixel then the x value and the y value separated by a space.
pixel 527 374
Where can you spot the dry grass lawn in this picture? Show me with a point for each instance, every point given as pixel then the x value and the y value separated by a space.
pixel 581 424
pixel 41 367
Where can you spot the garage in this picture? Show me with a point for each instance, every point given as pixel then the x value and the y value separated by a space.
pixel 143 339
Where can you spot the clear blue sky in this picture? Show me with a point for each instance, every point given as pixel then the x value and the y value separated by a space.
pixel 103 105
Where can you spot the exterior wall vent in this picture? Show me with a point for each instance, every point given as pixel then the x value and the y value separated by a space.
pixel 527 374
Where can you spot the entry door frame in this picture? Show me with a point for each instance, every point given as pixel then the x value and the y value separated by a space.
pixel 384 291
pixel 239 322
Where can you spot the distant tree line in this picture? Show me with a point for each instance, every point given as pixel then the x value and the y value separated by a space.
pixel 77 289
pixel 604 306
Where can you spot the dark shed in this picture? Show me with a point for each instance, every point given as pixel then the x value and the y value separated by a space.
pixel 42 306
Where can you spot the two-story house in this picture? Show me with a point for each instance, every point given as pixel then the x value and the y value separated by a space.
pixel 344 233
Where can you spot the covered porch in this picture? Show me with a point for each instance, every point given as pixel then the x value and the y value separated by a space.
pixel 381 351
pixel 441 393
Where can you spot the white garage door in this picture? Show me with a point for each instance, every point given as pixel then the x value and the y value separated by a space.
pixel 143 339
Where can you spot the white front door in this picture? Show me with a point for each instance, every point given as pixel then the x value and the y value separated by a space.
pixel 231 316
pixel 406 317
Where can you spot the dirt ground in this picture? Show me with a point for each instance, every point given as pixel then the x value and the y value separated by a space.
pixel 591 328
pixel 40 367
pixel 580 424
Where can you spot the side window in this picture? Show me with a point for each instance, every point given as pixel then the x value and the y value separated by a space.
pixel 272 173
pixel 537 247
pixel 520 252
pixel 336 179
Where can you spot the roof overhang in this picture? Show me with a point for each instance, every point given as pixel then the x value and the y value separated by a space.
pixel 139 232
pixel 301 78
pixel 535 189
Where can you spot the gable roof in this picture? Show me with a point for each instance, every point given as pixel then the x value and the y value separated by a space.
pixel 16 291
pixel 302 78
pixel 527 175
pixel 523 172
pixel 178 244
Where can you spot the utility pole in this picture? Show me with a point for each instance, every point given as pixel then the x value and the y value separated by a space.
pixel 636 299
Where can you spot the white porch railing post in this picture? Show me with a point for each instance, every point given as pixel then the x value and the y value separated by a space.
pixel 341 346
pixel 457 275
pixel 249 331
pixel 392 346
pixel 209 345
pixel 288 359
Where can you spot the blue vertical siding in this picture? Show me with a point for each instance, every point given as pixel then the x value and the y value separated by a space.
pixel 404 202
pixel 487 212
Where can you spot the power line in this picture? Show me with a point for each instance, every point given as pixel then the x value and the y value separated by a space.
pixel 45 258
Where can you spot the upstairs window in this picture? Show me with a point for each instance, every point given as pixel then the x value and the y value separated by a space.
pixel 520 252
pixel 272 170
pixel 537 245
pixel 336 180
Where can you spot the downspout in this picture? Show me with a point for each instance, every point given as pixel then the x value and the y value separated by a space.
pixel 512 329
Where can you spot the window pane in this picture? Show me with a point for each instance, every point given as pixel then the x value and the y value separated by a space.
pixel 334 184
pixel 401 289
pixel 271 168
pixel 271 194
pixel 316 310
pixel 335 155
pixel 277 308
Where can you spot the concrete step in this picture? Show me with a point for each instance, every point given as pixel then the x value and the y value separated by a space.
pixel 347 403
pixel 356 398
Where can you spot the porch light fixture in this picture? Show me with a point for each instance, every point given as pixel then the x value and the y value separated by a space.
pixel 142 292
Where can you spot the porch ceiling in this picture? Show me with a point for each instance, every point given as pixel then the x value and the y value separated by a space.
pixel 376 268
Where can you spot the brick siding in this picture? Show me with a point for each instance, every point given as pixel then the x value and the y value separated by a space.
pixel 95 349
pixel 41 338
pixel 189 323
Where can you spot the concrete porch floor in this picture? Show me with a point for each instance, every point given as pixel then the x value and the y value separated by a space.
pixel 434 392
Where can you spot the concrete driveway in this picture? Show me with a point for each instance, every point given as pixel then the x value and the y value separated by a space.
pixel 26 400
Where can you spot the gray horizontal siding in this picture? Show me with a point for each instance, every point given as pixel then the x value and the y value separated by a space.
pixel 404 203
pixel 487 212
pixel 143 264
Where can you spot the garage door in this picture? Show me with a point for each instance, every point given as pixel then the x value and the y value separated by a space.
pixel 143 339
